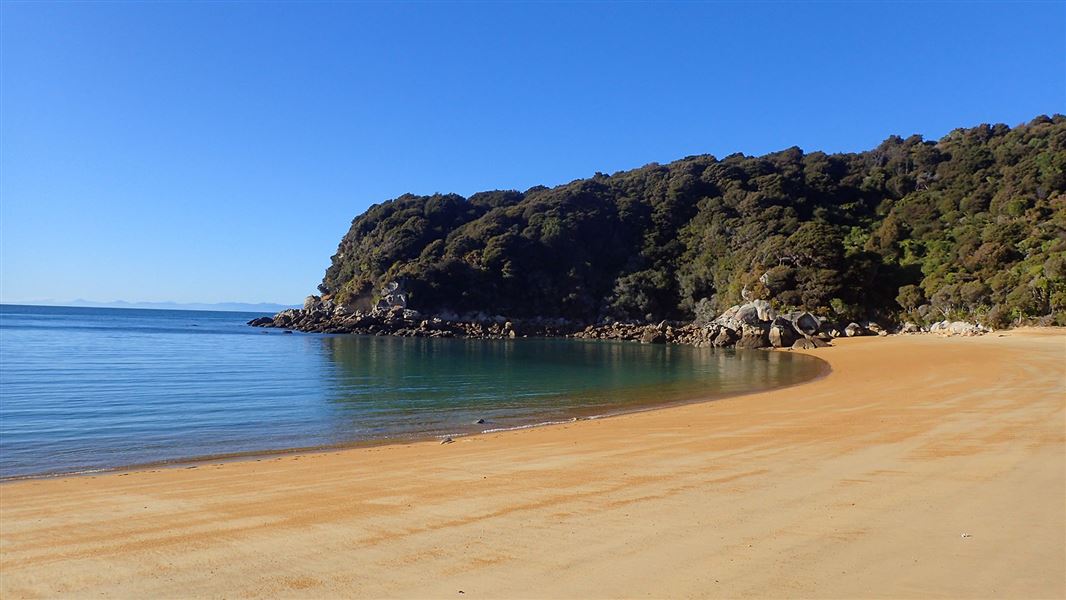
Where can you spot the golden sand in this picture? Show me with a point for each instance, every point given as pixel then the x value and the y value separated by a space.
pixel 920 467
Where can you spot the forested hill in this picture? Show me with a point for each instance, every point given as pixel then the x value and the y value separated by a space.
pixel 970 226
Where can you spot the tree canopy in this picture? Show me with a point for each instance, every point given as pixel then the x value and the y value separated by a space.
pixel 970 226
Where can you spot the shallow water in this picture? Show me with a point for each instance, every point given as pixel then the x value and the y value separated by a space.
pixel 87 388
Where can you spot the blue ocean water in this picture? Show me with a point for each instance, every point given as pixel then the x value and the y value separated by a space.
pixel 85 389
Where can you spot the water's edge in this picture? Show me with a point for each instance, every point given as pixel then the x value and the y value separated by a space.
pixel 824 370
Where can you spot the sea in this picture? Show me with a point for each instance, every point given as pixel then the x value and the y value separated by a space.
pixel 85 390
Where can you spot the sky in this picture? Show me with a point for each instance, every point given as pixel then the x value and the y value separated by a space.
pixel 218 151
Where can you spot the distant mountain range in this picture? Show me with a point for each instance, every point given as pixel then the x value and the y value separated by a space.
pixel 264 307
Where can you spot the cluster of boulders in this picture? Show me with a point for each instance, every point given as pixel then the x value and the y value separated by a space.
pixel 945 328
pixel 754 324
pixel 757 325
pixel 663 333
pixel 952 328
pixel 398 322
pixel 323 316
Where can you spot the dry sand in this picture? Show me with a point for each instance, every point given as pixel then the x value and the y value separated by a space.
pixel 920 467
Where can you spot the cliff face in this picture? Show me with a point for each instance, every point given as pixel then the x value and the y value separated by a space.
pixel 970 226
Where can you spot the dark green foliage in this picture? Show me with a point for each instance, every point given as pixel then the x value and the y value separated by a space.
pixel 973 225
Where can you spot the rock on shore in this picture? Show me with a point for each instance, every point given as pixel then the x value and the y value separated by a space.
pixel 746 326
pixel 752 325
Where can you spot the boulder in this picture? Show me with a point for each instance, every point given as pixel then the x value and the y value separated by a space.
pixel 872 327
pixel 652 335
pixel 311 302
pixel 284 318
pixel 818 342
pixel 752 312
pixel 853 330
pixel 753 336
pixel 729 319
pixel 764 310
pixel 803 344
pixel 960 328
pixel 782 333
pixel 805 323
pixel 261 321
pixel 725 337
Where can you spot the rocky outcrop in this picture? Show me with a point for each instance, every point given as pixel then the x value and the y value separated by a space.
pixel 757 325
pixel 953 328
pixel 749 326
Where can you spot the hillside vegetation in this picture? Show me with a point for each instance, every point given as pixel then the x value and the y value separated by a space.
pixel 970 226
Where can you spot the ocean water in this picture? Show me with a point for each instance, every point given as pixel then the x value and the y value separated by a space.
pixel 85 389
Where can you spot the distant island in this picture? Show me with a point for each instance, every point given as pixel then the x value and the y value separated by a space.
pixel 969 227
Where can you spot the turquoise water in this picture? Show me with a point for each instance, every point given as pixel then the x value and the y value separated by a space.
pixel 85 389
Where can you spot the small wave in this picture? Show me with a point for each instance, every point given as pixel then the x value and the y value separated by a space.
pixel 540 424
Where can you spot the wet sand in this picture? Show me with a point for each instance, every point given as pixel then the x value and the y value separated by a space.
pixel 920 467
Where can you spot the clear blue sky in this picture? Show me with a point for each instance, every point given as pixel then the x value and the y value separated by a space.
pixel 217 151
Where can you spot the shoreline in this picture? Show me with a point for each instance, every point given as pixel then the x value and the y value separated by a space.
pixel 920 466
pixel 254 455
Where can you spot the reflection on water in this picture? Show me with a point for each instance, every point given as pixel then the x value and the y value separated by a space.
pixel 448 384
pixel 85 389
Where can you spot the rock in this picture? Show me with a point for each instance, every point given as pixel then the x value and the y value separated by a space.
pixel 805 323
pixel 284 318
pixel 853 330
pixel 803 344
pixel 261 321
pixel 311 302
pixel 753 336
pixel 479 422
pixel 751 313
pixel 725 337
pixel 763 310
pixel 782 333
pixel 392 296
pixel 909 327
pixel 818 342
pixel 446 440
pixel 652 335
pixel 961 328
pixel 957 328
pixel 748 314
pixel 752 342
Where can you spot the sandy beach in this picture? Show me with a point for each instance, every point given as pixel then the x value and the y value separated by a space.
pixel 919 467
